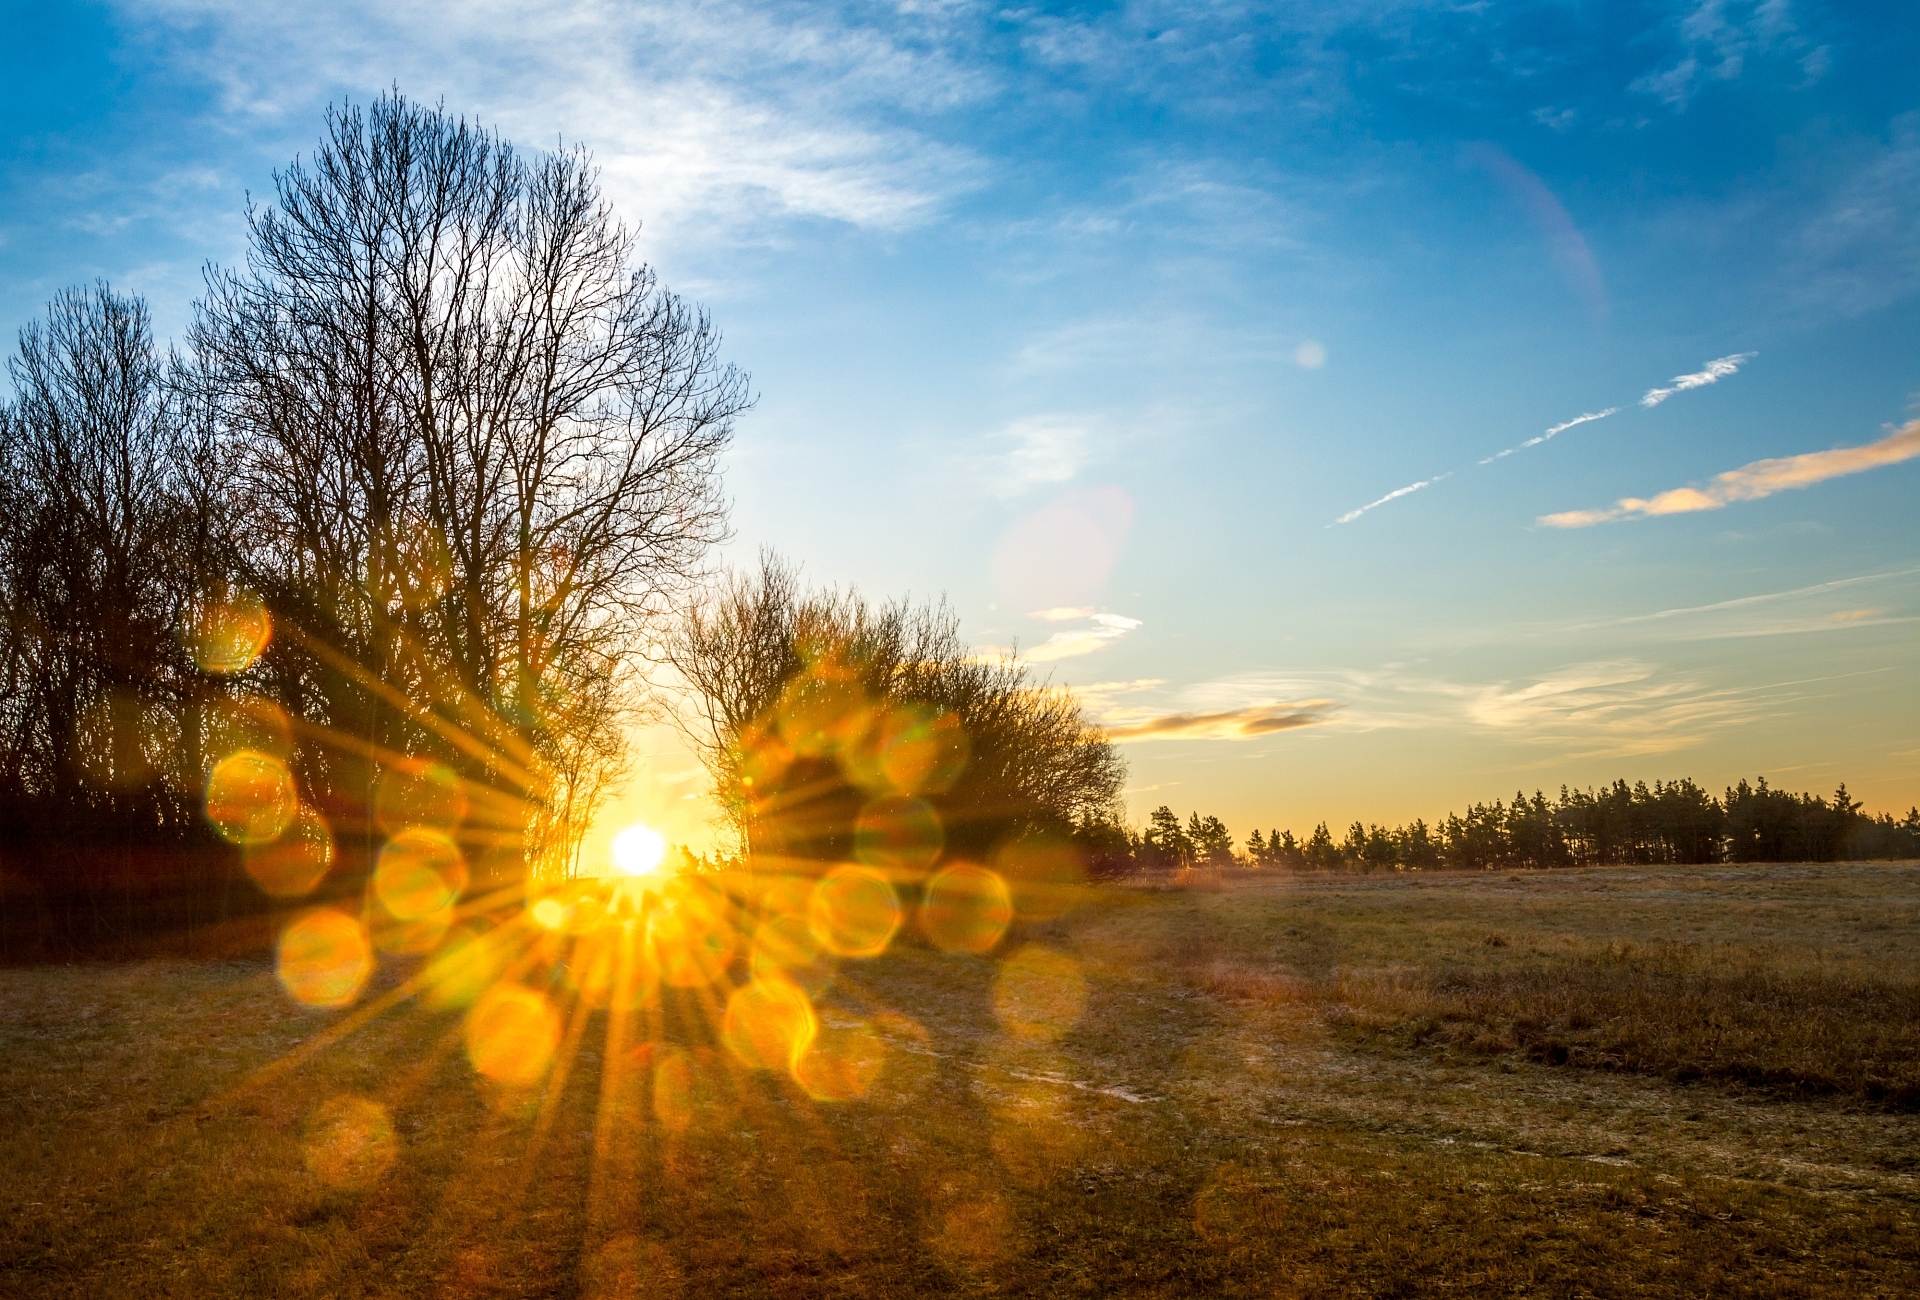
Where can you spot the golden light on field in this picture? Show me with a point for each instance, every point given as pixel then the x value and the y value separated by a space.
pixel 693 935
pixel 784 947
pixel 769 1025
pixel 413 937
pixel 469 960
pixel 1039 993
pixel 842 1062
pixel 324 958
pixel 702 978
pixel 639 851
pixel 349 1141
pixel 511 1033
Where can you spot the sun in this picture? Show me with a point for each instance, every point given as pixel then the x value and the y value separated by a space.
pixel 638 851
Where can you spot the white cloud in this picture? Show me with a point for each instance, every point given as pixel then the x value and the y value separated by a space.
pixel 1100 697
pixel 1714 372
pixel 1563 427
pixel 1032 452
pixel 1106 629
pixel 1752 482
pixel 1741 604
pixel 699 113
pixel 1671 86
pixel 1062 613
pixel 1228 724
pixel 1550 433
pixel 1609 707
pixel 1861 249
pixel 1718 41
pixel 1394 495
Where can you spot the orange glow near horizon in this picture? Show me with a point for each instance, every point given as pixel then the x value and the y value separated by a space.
pixel 756 965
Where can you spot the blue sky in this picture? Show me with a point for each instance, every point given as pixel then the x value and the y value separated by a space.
pixel 1111 312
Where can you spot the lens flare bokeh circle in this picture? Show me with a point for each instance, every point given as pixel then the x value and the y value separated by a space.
pixel 769 1025
pixel 854 911
pixel 1039 993
pixel 292 865
pixel 966 908
pixel 898 833
pixel 512 1032
pixel 420 872
pixel 919 749
pixel 418 793
pixel 324 958
pixel 250 797
pixel 228 631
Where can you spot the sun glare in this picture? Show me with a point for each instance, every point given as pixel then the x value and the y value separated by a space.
pixel 638 851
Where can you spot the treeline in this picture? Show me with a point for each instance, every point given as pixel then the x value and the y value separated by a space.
pixel 1674 822
pixel 391 528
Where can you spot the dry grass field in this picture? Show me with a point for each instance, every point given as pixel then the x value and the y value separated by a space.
pixel 1660 1082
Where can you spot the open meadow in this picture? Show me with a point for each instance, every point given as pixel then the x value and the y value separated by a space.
pixel 1625 1081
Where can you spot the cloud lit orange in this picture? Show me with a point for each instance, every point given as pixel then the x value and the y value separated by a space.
pixel 1751 482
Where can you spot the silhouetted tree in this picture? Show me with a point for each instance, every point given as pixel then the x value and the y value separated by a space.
pixel 798 703
pixel 477 447
pixel 1212 844
pixel 1671 822
pixel 111 530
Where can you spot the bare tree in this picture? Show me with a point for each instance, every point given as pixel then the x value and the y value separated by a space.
pixel 112 524
pixel 107 533
pixel 479 446
pixel 807 707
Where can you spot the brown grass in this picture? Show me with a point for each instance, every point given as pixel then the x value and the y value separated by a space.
pixel 1663 1012
pixel 1251 1104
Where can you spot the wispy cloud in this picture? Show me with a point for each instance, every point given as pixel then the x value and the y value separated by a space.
pixel 704 116
pixel 1394 495
pixel 1715 371
pixel 1099 697
pixel 1106 629
pixel 1032 452
pixel 1739 603
pixel 1621 706
pixel 1751 482
pixel 1063 613
pixel 1716 41
pixel 1230 724
pixel 1550 433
